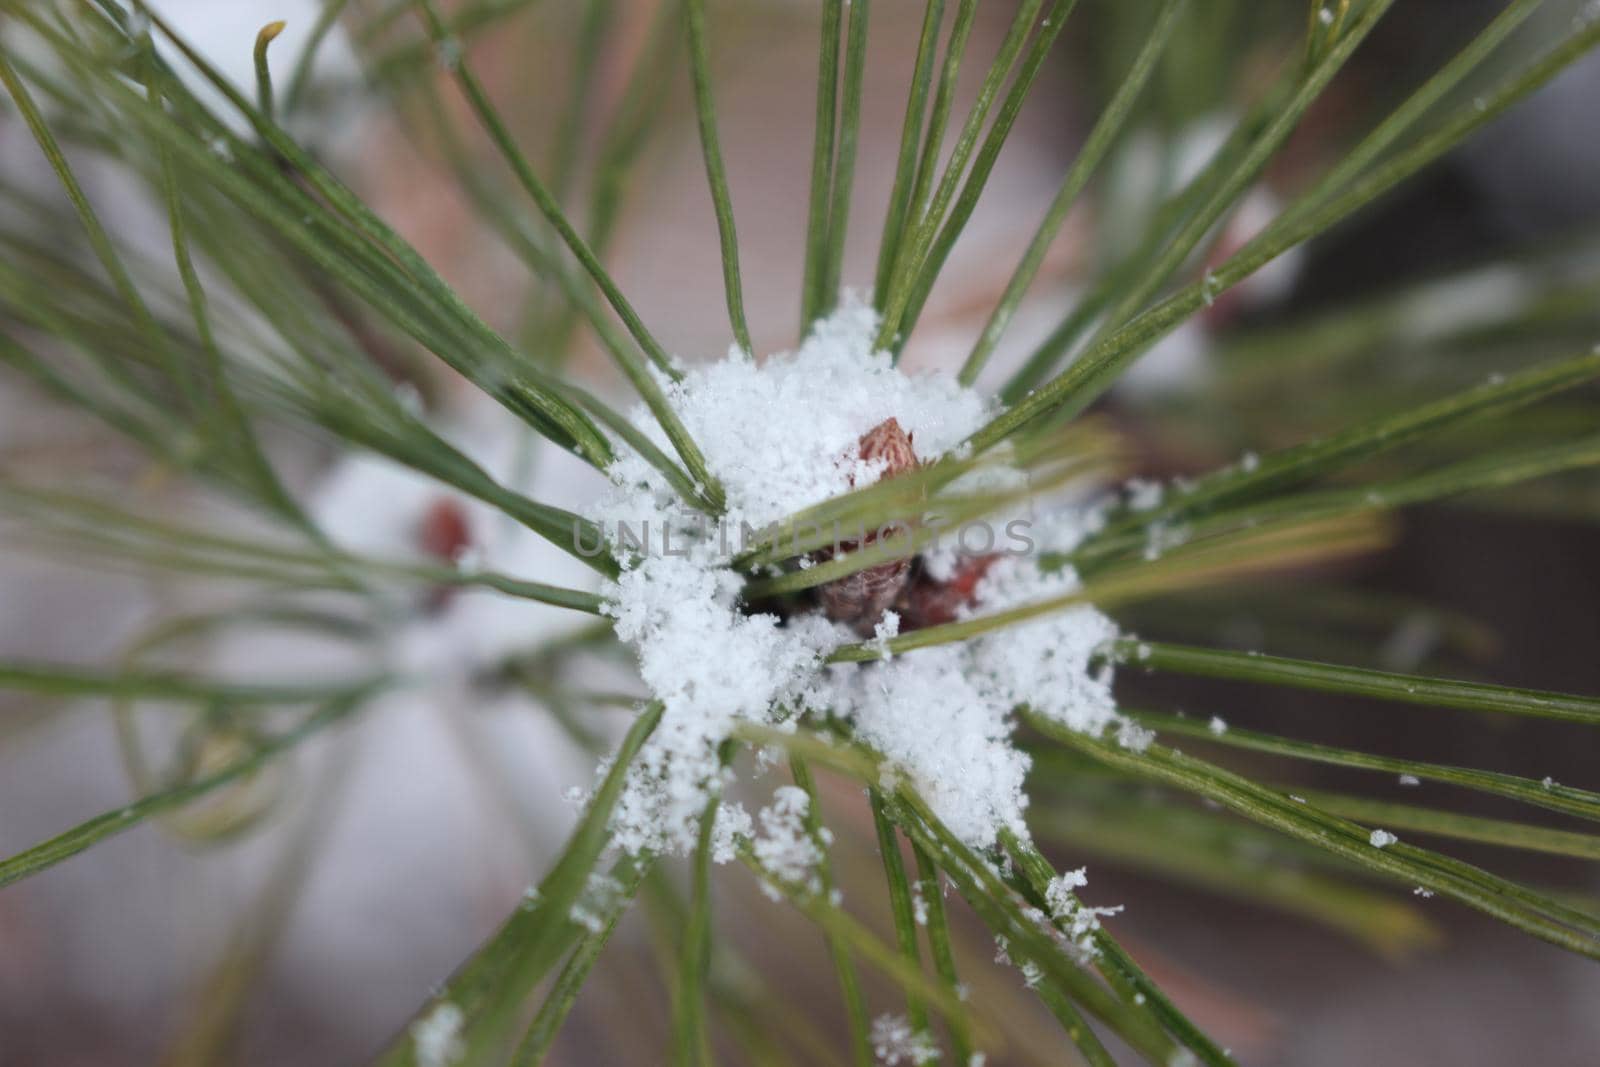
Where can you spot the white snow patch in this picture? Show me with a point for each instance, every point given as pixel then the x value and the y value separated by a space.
pixel 1381 839
pixel 784 847
pixel 779 433
pixel 895 1042
pixel 943 714
pixel 600 895
pixel 437 1036
pixel 919 904
pixel 1144 494
pixel 886 629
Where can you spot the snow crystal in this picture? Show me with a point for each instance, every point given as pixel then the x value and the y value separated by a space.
pixel 437 1036
pixel 895 1042
pixel 599 896
pixel 1217 725
pixel 1410 779
pixel 781 435
pixel 1077 920
pixel 785 848
pixel 732 826
pixel 1422 891
pixel 887 627
pixel 1143 494
pixel 1058 893
pixel 1381 839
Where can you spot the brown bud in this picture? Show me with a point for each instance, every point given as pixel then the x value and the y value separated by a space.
pixel 444 532
pixel 860 599
pixel 888 443
pixel 927 602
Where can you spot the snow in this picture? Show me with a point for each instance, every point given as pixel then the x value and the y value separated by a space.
pixel 781 435
pixel 599 896
pixel 1143 494
pixel 919 904
pixel 1381 839
pixel 1046 662
pixel 943 714
pixel 928 713
pixel 895 1042
pixel 886 629
pixel 437 1036
pixel 1077 920
pixel 784 847
pixel 673 611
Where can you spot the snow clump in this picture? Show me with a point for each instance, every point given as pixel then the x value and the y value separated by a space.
pixel 781 435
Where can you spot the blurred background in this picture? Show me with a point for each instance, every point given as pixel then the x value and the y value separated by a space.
pixel 348 885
